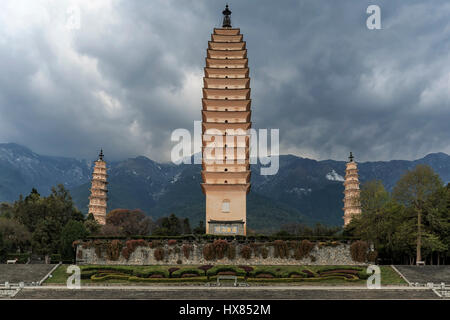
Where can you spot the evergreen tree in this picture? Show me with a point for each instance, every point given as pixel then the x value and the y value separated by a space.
pixel 186 226
pixel 200 229
pixel 73 230
pixel 412 190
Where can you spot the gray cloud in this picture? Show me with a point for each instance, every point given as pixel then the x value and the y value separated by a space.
pixel 133 72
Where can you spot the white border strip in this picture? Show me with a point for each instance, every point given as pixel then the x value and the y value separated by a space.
pixel 401 275
pixel 48 274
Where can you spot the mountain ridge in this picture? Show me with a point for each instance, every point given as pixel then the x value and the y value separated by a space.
pixel 303 190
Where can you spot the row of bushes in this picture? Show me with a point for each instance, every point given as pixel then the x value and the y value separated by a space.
pixel 222 248
pixel 360 253
pixel 210 237
pixel 216 250
pixel 105 277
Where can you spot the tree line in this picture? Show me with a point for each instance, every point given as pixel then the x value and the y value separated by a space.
pixel 44 226
pixel 409 224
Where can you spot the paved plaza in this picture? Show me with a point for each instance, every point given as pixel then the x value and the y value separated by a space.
pixel 27 273
pixel 425 274
pixel 182 293
pixel 34 273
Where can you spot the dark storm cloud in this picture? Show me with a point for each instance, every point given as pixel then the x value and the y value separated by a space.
pixel 133 72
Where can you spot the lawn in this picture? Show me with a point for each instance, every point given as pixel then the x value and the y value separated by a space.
pixel 259 275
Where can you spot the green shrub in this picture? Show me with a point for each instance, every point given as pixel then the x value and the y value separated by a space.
pixel 220 248
pixel 113 249
pixel 293 244
pixel 281 249
pixel 55 258
pixel 246 252
pixel 110 276
pixel 231 253
pixel 179 273
pixel 363 275
pixel 296 274
pixel 215 270
pixel 159 254
pixel 131 246
pixel 247 270
pixel 279 280
pixel 263 271
pixel 172 270
pixel 308 273
pixel 205 268
pixel 303 249
pixel 168 280
pixel 372 256
pixel 324 269
pixel 209 252
pixel 187 248
pixel 358 251
pixel 149 273
pixel 155 244
pixel 87 274
pixel 264 252
pixel 256 247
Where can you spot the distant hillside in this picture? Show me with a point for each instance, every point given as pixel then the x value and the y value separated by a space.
pixel 21 170
pixel 304 190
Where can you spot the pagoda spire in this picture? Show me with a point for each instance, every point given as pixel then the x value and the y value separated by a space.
pixel 100 156
pixel 352 202
pixel 226 19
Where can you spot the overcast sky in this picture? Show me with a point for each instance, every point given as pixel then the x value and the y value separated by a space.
pixel 133 72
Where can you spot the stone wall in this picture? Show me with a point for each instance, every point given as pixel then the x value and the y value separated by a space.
pixel 142 252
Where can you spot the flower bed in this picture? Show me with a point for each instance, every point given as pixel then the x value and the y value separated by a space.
pixel 189 274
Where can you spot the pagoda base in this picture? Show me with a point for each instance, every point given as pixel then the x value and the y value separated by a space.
pixel 226 204
pixel 226 227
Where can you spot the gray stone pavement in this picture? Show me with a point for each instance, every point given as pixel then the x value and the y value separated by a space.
pixel 198 293
pixel 34 273
pixel 425 274
pixel 27 273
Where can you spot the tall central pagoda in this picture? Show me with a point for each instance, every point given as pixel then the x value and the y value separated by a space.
pixel 225 123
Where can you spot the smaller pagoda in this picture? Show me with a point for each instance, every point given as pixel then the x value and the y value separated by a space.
pixel 352 203
pixel 98 198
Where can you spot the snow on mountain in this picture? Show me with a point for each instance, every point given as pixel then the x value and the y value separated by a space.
pixel 334 176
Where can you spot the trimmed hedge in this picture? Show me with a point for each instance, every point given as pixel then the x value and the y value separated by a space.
pixel 149 273
pixel 215 270
pixel 181 272
pixel 190 274
pixel 109 276
pixel 168 280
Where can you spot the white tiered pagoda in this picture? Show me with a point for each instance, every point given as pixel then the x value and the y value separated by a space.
pixel 225 123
